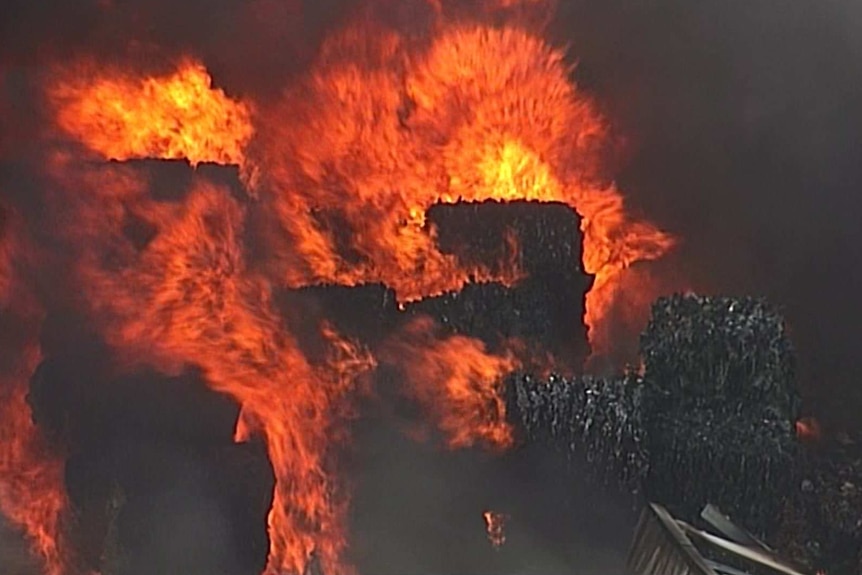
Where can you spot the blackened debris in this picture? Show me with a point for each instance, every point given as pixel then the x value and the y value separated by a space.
pixel 711 420
pixel 822 520
pixel 598 419
pixel 720 351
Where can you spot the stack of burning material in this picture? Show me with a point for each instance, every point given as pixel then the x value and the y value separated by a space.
pixel 145 446
pixel 535 246
pixel 538 242
pixel 721 405
pixel 711 419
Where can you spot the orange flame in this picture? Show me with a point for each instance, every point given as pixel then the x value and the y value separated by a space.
pixel 808 429
pixel 32 492
pixel 188 297
pixel 483 114
pixel 457 381
pixel 495 525
pixel 343 169
pixel 179 116
pixel 32 495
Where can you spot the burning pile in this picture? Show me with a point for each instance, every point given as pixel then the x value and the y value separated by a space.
pixel 337 179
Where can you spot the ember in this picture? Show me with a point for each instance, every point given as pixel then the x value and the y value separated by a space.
pixel 495 525
pixel 808 429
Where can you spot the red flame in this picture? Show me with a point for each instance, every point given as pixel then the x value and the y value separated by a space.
pixel 457 381
pixel 178 116
pixel 32 494
pixel 383 126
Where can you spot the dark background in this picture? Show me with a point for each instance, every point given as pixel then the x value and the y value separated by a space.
pixel 744 125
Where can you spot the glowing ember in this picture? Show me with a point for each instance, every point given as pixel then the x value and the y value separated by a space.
pixel 179 116
pixel 495 525
pixel 808 429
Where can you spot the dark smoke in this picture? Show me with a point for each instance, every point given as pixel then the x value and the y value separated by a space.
pixel 249 46
pixel 742 121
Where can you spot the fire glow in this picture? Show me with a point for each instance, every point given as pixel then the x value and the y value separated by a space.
pixel 379 129
pixel 495 527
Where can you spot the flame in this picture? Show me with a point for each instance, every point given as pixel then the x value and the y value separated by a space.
pixel 188 297
pixel 32 492
pixel 457 381
pixel 341 170
pixel 495 525
pixel 484 113
pixel 178 116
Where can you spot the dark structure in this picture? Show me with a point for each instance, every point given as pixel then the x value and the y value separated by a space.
pixel 544 310
pixel 710 420
pixel 155 479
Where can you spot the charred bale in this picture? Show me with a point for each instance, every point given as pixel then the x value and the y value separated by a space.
pixel 743 463
pixel 597 419
pixel 495 314
pixel 710 421
pixel 720 351
pixel 546 308
pixel 547 235
pixel 721 405
pixel 366 313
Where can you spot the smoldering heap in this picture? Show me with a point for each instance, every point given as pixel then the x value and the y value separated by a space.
pixel 711 419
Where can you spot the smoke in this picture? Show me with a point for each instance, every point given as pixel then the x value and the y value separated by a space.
pixel 14 554
pixel 413 500
pixel 742 134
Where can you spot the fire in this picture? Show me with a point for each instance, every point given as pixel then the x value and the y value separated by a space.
pixel 178 116
pixel 457 381
pixel 32 494
pixel 189 298
pixel 338 175
pixel 484 113
pixel 495 525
